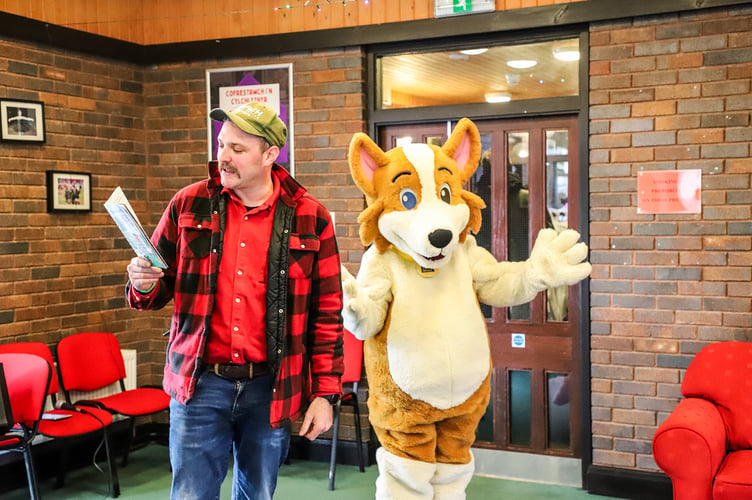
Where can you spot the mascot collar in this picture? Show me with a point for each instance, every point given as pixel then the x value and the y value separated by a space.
pixel 423 271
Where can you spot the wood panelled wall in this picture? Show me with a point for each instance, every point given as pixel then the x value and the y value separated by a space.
pixel 170 21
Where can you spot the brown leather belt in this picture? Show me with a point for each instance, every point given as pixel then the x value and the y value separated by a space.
pixel 235 371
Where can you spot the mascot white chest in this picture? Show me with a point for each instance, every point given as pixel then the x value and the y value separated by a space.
pixel 437 343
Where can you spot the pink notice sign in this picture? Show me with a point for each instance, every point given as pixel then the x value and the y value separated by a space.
pixel 669 192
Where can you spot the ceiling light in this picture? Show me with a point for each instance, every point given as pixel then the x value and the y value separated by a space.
pixel 492 97
pixel 474 52
pixel 567 51
pixel 521 63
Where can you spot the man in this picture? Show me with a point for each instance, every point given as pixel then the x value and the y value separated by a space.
pixel 256 333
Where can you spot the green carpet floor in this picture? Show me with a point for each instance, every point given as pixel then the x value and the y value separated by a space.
pixel 147 477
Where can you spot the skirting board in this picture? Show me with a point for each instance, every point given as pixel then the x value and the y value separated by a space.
pixel 320 449
pixel 624 483
pixel 530 467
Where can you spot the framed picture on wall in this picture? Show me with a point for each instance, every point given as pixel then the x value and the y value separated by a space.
pixel 68 191
pixel 21 121
pixel 229 88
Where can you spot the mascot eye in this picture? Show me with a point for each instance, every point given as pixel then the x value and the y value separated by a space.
pixel 446 193
pixel 408 198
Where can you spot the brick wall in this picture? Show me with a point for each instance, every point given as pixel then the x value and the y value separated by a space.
pixel 667 93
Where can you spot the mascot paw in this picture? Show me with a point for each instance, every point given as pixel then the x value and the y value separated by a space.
pixel 557 259
pixel 355 304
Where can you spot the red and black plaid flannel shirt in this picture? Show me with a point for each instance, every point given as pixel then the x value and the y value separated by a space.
pixel 304 294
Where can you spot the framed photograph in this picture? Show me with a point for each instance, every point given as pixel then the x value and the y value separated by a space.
pixel 232 87
pixel 68 191
pixel 21 121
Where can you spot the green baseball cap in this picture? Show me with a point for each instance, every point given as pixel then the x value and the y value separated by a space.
pixel 256 119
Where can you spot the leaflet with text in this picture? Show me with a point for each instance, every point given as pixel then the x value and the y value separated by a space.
pixel 122 213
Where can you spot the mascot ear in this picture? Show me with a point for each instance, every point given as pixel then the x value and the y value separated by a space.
pixel 464 147
pixel 365 158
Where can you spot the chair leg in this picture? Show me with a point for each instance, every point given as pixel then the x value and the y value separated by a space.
pixel 62 461
pixel 128 445
pixel 358 434
pixel 31 474
pixel 333 454
pixel 114 481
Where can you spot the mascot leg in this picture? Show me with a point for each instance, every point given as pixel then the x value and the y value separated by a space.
pixel 451 480
pixel 455 437
pixel 403 478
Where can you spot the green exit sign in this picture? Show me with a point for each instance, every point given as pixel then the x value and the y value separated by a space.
pixel 445 8
pixel 462 6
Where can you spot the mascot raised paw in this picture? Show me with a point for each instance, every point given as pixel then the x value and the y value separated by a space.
pixel 415 303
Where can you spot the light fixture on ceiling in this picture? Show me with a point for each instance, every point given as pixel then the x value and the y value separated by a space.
pixel 474 52
pixel 493 97
pixel 566 50
pixel 521 63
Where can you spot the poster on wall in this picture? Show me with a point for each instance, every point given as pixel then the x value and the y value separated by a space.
pixel 229 88
pixel 669 192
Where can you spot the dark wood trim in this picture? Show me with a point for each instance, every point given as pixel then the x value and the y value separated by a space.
pixel 425 29
pixel 551 106
pixel 624 483
pixel 583 136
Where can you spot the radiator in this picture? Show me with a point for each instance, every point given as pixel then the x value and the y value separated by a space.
pixel 131 366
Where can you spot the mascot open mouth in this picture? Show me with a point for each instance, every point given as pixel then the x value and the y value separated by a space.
pixel 435 259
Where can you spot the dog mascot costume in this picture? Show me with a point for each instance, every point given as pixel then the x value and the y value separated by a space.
pixel 415 303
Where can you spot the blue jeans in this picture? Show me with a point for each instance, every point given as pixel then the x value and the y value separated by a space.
pixel 226 416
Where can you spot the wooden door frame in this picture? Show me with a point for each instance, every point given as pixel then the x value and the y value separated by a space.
pixel 573 329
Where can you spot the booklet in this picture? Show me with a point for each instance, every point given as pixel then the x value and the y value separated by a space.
pixel 56 416
pixel 125 218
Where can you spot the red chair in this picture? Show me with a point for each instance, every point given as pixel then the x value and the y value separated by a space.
pixel 705 444
pixel 353 349
pixel 28 379
pixel 91 361
pixel 74 422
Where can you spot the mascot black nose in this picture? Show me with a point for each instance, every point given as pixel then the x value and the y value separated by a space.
pixel 440 237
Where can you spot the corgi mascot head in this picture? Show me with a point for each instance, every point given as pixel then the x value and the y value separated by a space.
pixel 415 194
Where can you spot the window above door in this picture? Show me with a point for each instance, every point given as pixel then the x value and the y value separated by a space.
pixel 479 74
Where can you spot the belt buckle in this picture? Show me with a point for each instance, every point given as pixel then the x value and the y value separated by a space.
pixel 215 369
pixel 250 370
